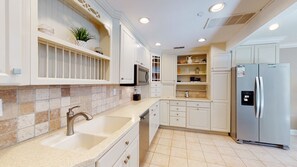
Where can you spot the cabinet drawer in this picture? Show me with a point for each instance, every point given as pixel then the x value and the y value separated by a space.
pixel 178 121
pixel 198 104
pixel 154 85
pixel 155 94
pixel 176 108
pixel 178 103
pixel 177 114
pixel 118 149
pixel 155 90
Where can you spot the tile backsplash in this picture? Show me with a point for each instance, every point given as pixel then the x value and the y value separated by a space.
pixel 30 111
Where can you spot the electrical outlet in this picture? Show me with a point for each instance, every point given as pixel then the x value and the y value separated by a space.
pixel 1 108
pixel 114 92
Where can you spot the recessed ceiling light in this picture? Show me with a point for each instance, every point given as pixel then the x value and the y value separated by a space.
pixel 158 44
pixel 217 7
pixel 201 40
pixel 274 27
pixel 144 20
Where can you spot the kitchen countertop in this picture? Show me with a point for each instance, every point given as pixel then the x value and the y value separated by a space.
pixel 32 153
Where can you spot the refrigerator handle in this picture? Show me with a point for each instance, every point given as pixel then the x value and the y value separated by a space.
pixel 257 97
pixel 262 97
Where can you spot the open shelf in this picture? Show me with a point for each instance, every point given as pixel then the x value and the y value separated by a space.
pixel 191 83
pixel 67 45
pixel 192 74
pixel 192 64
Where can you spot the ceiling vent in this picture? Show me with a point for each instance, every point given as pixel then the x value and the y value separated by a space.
pixel 227 21
pixel 179 47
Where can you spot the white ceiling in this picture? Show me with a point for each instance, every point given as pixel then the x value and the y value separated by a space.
pixel 175 22
pixel 286 34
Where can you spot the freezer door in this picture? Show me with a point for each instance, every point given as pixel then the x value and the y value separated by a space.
pixel 275 114
pixel 247 123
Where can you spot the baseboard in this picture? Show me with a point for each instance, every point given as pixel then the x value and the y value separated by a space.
pixel 293 132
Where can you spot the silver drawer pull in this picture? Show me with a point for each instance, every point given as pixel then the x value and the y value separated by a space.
pixel 126 161
pixel 128 157
pixel 127 142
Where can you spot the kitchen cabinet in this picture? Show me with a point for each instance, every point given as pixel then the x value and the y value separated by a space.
pixel 221 62
pixel 127 57
pixel 131 157
pixel 220 116
pixel 177 113
pixel 142 56
pixel 14 42
pixel 168 69
pixel 264 53
pixel 220 87
pixel 154 120
pixel 155 89
pixel 164 112
pixel 125 153
pixel 198 115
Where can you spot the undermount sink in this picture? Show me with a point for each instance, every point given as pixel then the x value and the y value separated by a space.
pixel 103 126
pixel 76 142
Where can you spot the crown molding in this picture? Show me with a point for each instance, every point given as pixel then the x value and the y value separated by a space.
pixel 264 40
pixel 288 45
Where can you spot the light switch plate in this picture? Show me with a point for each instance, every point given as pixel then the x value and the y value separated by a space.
pixel 1 108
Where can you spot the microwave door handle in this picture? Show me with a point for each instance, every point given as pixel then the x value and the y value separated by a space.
pixel 146 76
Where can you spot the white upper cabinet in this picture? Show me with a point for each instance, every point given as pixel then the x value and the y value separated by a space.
pixel 14 42
pixel 221 62
pixel 268 53
pixel 168 69
pixel 220 87
pixel 142 56
pixel 265 53
pixel 127 57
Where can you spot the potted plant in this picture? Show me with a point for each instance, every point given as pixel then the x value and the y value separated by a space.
pixel 81 35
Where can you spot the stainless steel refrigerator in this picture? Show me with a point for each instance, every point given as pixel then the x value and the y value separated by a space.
pixel 260 111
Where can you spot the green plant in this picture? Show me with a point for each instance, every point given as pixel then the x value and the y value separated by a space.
pixel 81 34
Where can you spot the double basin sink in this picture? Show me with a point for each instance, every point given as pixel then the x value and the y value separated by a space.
pixel 88 134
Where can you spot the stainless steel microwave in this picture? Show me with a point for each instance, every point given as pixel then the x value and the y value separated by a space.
pixel 141 76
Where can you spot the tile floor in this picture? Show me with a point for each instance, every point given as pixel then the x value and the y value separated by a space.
pixel 172 148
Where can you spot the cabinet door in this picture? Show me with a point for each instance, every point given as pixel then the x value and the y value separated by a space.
pixel 198 118
pixel 140 54
pixel 133 153
pixel 15 42
pixel 244 55
pixel 168 69
pixel 268 53
pixel 220 116
pixel 220 86
pixel 221 62
pixel 164 112
pixel 127 58
pixel 122 162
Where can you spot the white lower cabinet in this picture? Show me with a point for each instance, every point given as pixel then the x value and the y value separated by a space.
pixel 125 153
pixel 164 112
pixel 154 121
pixel 198 118
pixel 220 116
pixel 177 113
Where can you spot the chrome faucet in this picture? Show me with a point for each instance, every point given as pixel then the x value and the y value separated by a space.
pixel 71 117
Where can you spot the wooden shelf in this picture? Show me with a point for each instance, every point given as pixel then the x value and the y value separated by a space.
pixel 193 64
pixel 191 74
pixel 56 41
pixel 192 90
pixel 191 83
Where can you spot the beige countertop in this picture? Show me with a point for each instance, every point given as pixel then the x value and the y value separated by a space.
pixel 33 154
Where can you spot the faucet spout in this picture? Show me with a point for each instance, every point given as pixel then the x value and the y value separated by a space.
pixel 71 117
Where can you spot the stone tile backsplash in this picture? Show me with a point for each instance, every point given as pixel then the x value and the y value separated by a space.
pixel 30 111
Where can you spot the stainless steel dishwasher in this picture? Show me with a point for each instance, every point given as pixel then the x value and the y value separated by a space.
pixel 144 135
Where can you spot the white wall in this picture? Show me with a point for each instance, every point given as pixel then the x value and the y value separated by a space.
pixel 289 55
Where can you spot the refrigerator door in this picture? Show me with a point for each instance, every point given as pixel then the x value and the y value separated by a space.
pixel 275 114
pixel 247 121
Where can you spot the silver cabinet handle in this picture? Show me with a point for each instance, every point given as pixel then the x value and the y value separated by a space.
pixel 262 97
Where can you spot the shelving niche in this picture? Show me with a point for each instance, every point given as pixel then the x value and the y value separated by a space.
pixel 197 70
pixel 58 55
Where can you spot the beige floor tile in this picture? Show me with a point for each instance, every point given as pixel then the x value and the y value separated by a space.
pixel 152 147
pixel 155 140
pixel 214 158
pixel 272 164
pixel 179 132
pixel 179 144
pixel 236 146
pixel 167 131
pixel 221 143
pixel 195 155
pixel 178 152
pixel 287 160
pixel 209 148
pixel 252 163
pixel 165 142
pixel 160 160
pixel 163 149
pixel 192 163
pixel 178 137
pixel 226 151
pixel 232 161
pixel 178 162
pixel 191 134
pixel 245 154
pixel 145 165
pixel 152 165
pixel 204 136
pixel 206 141
pixel 192 139
pixel 266 157
pixel 194 146
pixel 214 165
pixel 166 136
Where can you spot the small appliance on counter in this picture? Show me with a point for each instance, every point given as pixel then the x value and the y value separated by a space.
pixel 136 94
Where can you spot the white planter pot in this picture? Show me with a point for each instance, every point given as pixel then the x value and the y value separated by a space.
pixel 81 43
